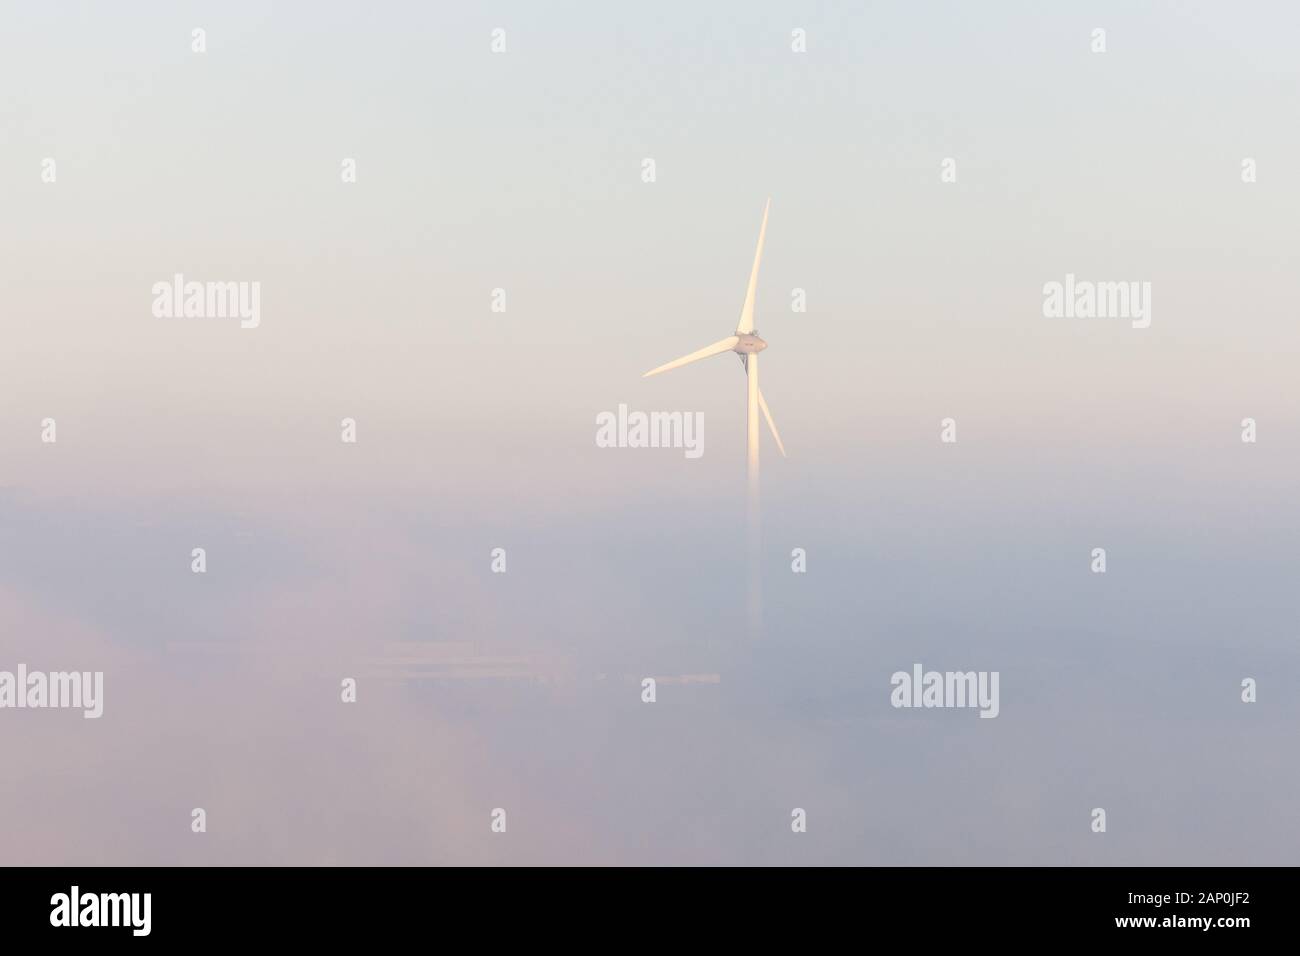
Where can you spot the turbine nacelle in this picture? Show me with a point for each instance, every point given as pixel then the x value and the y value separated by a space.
pixel 748 343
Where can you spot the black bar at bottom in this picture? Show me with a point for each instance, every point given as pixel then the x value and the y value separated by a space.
pixel 656 905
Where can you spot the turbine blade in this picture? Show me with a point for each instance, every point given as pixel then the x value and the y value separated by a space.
pixel 767 413
pixel 747 312
pixel 726 345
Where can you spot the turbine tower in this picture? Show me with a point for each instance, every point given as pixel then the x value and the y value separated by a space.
pixel 747 344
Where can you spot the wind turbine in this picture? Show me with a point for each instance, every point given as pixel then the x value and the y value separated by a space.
pixel 746 343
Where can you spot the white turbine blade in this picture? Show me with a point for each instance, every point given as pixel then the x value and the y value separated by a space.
pixel 726 345
pixel 767 413
pixel 747 312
